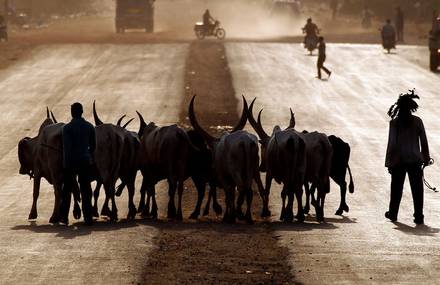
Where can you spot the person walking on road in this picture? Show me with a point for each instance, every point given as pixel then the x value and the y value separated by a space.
pixel 79 143
pixel 399 22
pixel 321 58
pixel 407 152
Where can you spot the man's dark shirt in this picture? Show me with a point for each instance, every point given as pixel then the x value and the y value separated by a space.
pixel 79 143
pixel 321 50
pixel 207 19
pixel 311 29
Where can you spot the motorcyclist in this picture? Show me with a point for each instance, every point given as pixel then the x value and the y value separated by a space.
pixel 3 28
pixel 208 21
pixel 310 29
pixel 388 33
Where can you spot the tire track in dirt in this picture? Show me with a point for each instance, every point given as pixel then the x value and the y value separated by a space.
pixel 209 252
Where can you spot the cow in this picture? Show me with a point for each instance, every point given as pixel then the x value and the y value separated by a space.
pixel 235 158
pixel 198 167
pixel 163 155
pixel 338 171
pixel 319 153
pixel 42 157
pixel 116 156
pixel 283 158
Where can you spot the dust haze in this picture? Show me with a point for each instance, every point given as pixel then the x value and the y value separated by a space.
pixel 241 19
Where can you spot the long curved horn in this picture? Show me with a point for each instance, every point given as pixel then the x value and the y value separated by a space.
pixel 120 120
pixel 127 123
pixel 292 120
pixel 142 125
pixel 47 113
pixel 240 125
pixel 53 118
pixel 95 116
pixel 256 125
pixel 192 118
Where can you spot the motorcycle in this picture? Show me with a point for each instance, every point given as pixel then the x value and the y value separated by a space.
pixel 215 30
pixel 311 43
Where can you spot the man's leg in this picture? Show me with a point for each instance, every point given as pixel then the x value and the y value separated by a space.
pixel 319 66
pixel 326 70
pixel 66 191
pixel 397 179
pixel 415 174
pixel 84 177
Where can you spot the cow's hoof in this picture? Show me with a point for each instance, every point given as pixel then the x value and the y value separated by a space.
pixel 229 219
pixel 300 218
pixel 240 215
pixel 306 210
pixel 288 218
pixel 95 212
pixel 113 216
pixel 266 213
pixel 106 212
pixel 171 212
pixel 217 209
pixel 194 215
pixel 206 212
pixel 346 208
pixel 339 212
pixel 249 219
pixel 282 215
pixel 33 215
pixel 179 215
pixel 77 212
pixel 131 214
pixel 140 209
pixel 54 220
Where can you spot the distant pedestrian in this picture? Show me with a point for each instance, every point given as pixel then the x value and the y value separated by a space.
pixel 79 143
pixel 407 152
pixel 399 23
pixel 334 8
pixel 321 58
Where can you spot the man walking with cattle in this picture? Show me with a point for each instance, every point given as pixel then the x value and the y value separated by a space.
pixel 79 143
pixel 407 151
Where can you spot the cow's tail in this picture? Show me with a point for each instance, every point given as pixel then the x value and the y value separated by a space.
pixel 290 159
pixel 351 185
pixel 185 136
pixel 119 189
pixel 326 166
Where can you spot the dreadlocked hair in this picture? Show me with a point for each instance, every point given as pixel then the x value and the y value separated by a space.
pixel 405 104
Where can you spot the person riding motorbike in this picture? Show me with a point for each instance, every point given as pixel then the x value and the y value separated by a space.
pixel 388 35
pixel 208 21
pixel 3 29
pixel 311 30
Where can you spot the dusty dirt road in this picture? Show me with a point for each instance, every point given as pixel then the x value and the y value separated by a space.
pixel 153 78
pixel 362 247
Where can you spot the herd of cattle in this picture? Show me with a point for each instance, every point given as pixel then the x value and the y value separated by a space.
pixel 295 159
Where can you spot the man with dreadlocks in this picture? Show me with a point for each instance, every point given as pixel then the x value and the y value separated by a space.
pixel 407 152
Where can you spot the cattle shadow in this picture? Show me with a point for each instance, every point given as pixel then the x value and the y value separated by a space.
pixel 418 230
pixel 75 229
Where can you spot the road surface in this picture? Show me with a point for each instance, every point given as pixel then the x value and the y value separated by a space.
pixel 361 247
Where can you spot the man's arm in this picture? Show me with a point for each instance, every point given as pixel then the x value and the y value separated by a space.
pixel 424 144
pixel 390 146
pixel 92 139
pixel 67 146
